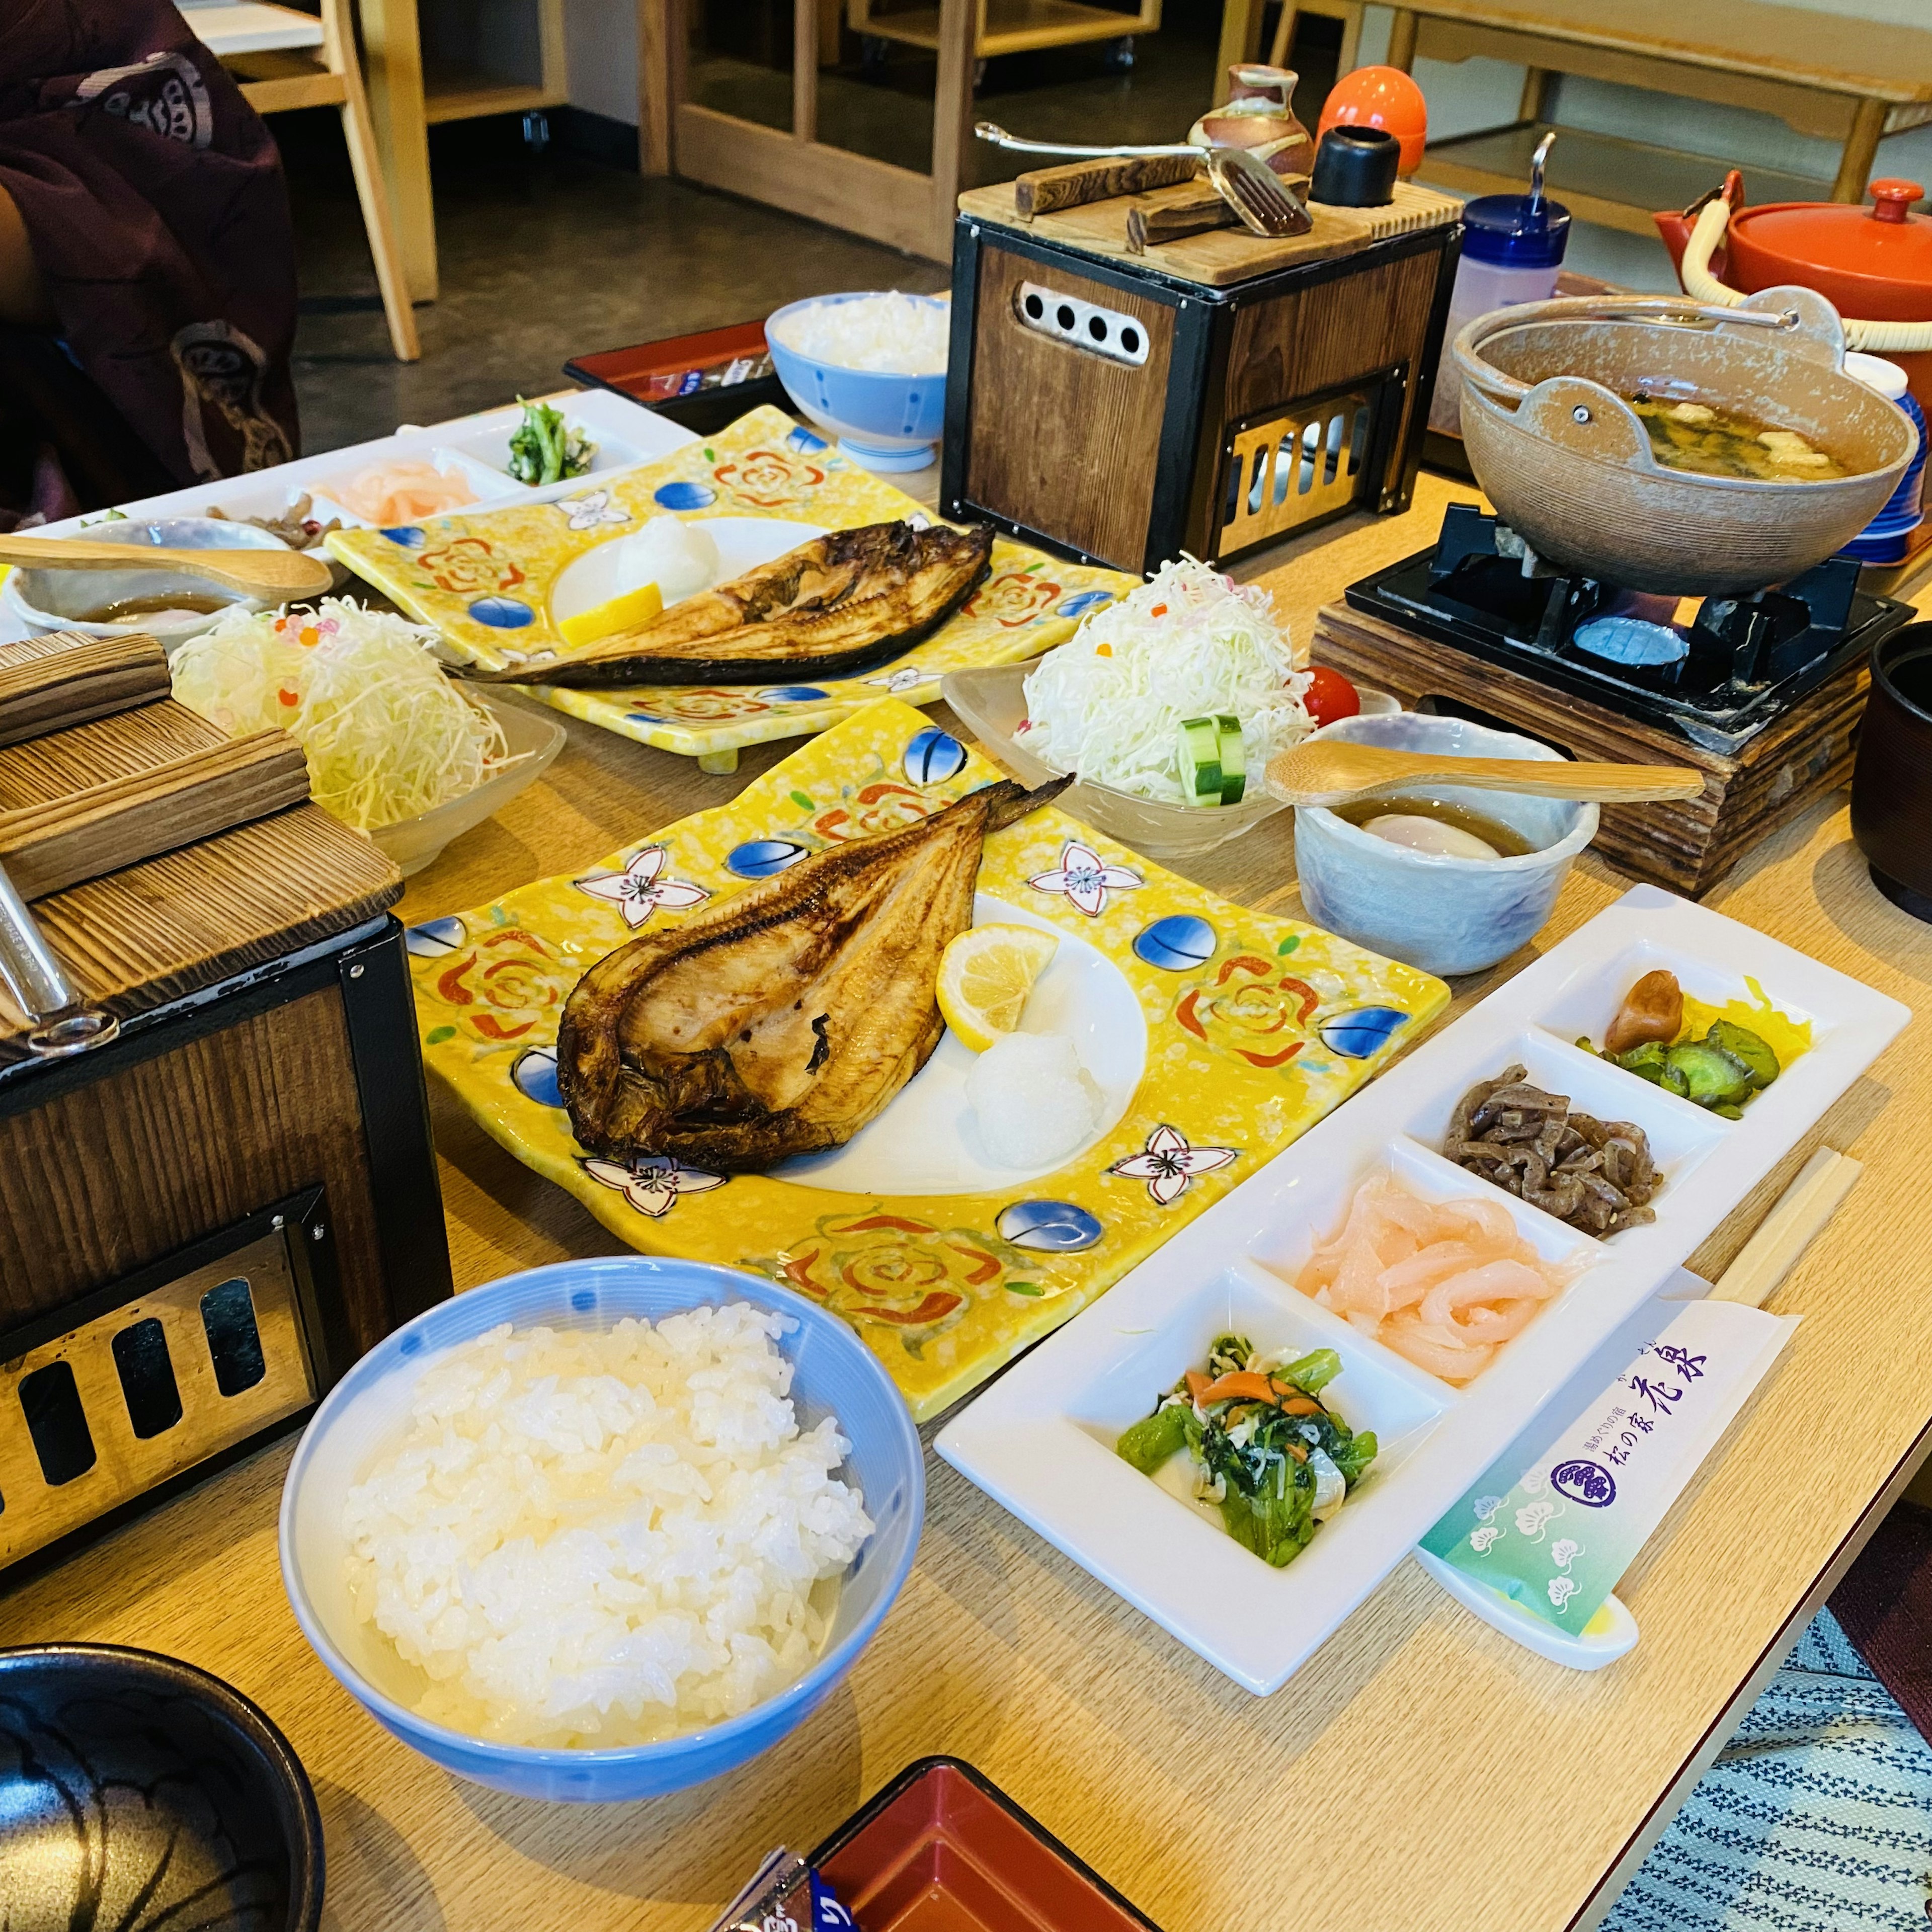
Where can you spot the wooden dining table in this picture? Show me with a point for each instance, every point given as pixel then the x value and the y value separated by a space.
pixel 1421 1773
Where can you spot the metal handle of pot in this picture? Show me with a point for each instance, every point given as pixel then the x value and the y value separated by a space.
pixel 1492 382
pixel 40 987
pixel 988 131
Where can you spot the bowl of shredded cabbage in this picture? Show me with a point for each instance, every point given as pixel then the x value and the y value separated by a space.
pixel 395 749
pixel 1122 704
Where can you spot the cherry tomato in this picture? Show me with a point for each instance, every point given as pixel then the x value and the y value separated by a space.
pixel 1330 696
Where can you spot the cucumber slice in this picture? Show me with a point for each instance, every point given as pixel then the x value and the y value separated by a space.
pixel 1234 759
pixel 1200 773
pixel 1214 768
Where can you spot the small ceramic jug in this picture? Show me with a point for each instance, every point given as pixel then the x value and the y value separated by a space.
pixel 1258 115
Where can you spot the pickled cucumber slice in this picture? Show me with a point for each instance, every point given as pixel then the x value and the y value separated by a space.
pixel 1742 1044
pixel 1710 1074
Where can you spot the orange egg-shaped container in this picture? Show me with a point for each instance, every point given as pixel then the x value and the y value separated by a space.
pixel 1380 96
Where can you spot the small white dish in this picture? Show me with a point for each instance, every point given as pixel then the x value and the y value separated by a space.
pixel 535 737
pixel 487 450
pixel 267 493
pixel 1039 1440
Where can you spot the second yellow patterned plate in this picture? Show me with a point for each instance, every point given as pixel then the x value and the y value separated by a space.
pixel 1215 1035
pixel 485 581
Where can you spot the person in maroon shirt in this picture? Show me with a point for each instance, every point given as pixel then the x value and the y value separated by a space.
pixel 147 262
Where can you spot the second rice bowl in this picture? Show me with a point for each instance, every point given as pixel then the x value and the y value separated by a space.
pixel 364 1416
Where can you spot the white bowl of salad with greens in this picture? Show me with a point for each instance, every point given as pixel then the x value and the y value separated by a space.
pixel 1167 705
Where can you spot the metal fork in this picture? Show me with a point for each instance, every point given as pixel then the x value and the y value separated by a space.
pixel 1265 203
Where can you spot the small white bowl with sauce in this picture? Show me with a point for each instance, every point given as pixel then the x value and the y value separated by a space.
pixel 159 603
pixel 1443 914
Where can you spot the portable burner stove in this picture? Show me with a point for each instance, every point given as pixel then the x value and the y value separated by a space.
pixel 1763 693
pixel 1718 671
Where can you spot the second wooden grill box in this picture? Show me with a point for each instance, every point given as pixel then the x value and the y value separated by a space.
pixel 1208 395
pixel 204 1219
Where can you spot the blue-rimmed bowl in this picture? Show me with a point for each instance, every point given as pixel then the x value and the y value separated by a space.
pixel 882 421
pixel 363 1414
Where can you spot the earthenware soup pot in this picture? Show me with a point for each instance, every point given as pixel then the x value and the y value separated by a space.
pixel 1568 462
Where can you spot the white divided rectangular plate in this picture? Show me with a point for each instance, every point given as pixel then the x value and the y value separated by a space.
pixel 1040 1440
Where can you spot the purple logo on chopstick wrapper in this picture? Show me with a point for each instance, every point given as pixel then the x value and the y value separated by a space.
pixel 1584 1482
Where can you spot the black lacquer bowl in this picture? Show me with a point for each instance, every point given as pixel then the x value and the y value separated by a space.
pixel 139 1794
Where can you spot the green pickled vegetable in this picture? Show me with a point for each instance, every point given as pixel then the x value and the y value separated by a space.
pixel 1672 1079
pixel 1277 1522
pixel 1728 1111
pixel 1647 1061
pixel 1750 1049
pixel 544 448
pixel 1149 1442
pixel 1312 1372
pixel 1710 1074
pixel 1355 1455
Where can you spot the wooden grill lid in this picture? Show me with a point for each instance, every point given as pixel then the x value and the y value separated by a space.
pixel 160 856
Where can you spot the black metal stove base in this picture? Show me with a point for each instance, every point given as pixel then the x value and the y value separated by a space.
pixel 1746 660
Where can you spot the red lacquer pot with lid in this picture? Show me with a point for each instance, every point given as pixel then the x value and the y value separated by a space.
pixel 1872 262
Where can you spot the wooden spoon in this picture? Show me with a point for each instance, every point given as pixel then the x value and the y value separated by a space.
pixel 272 575
pixel 1335 772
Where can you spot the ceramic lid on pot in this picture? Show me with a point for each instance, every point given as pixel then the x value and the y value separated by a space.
pixel 1885 241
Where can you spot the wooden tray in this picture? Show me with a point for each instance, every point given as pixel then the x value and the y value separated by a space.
pixel 1223 255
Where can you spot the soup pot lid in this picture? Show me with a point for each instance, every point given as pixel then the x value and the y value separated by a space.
pixel 1886 240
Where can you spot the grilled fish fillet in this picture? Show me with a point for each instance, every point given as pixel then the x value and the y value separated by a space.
pixel 782 1020
pixel 842 602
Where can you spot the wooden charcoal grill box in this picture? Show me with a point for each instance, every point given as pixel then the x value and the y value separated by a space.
pixel 205 1219
pixel 1244 387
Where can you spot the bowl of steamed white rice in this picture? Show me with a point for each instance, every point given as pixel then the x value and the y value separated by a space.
pixel 603 1530
pixel 870 367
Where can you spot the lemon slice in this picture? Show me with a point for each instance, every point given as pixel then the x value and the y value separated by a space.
pixel 985 976
pixel 619 613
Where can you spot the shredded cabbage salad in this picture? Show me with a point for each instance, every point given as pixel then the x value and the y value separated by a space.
pixel 1109 704
pixel 388 735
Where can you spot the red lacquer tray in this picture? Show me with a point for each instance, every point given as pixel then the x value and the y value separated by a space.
pixel 941 1850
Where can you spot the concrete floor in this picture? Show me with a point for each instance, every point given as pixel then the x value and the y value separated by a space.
pixel 543 257
pixel 546 256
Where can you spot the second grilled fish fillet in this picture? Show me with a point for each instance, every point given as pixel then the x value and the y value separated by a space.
pixel 782 1020
pixel 841 603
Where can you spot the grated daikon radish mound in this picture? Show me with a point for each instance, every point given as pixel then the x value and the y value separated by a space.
pixel 589 1539
pixel 891 334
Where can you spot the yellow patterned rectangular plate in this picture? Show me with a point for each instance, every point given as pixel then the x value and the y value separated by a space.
pixel 1255 1027
pixel 485 581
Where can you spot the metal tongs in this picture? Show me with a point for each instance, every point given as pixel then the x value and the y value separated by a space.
pixel 40 987
pixel 1266 204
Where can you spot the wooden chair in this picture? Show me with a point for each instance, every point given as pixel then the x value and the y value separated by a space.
pixel 1348 12
pixel 277 77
